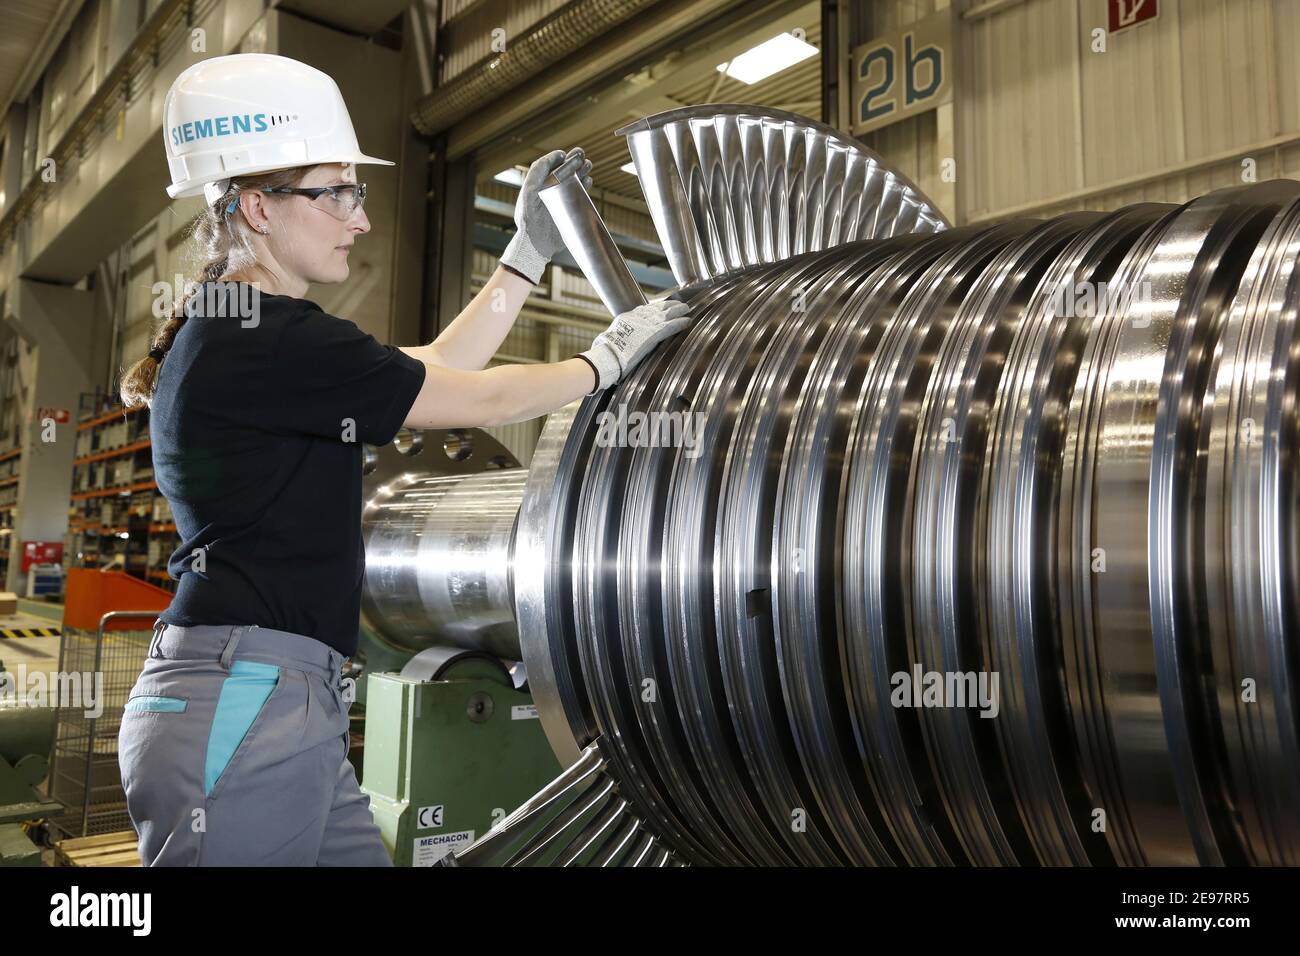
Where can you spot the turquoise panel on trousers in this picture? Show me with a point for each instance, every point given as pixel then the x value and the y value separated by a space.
pixel 243 695
pixel 157 705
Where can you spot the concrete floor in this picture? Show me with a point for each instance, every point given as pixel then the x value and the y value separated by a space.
pixel 45 609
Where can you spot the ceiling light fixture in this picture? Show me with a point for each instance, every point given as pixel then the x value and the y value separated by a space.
pixel 768 58
pixel 511 176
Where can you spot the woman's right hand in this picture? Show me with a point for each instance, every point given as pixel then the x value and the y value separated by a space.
pixel 632 336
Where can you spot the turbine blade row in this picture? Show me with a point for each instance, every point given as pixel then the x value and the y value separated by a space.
pixel 736 186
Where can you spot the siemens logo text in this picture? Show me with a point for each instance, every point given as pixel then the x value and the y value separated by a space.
pixel 219 126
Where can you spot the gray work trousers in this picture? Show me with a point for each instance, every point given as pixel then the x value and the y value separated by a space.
pixel 233 751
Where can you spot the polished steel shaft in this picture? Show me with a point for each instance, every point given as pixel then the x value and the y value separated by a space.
pixel 438 561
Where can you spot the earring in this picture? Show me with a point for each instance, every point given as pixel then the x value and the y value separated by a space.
pixel 265 231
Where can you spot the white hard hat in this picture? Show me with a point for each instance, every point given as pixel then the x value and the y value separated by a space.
pixel 251 113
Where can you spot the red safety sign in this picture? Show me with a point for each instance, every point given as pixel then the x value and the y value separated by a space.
pixel 61 416
pixel 41 552
pixel 1128 13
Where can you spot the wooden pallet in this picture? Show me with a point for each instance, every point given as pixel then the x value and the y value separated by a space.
pixel 106 849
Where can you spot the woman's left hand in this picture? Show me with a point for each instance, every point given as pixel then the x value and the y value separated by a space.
pixel 537 239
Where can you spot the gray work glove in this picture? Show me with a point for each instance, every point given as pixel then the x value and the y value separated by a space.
pixel 537 239
pixel 632 336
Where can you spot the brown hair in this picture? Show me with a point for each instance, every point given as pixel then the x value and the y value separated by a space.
pixel 221 248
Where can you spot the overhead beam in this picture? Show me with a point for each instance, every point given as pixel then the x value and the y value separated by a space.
pixel 624 48
pixel 505 134
pixel 646 92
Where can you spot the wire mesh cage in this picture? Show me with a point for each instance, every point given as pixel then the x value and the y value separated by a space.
pixel 84 775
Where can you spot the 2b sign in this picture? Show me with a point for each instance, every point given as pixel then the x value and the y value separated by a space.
pixel 903 74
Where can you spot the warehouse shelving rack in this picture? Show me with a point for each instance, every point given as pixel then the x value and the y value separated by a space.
pixel 116 514
pixel 9 463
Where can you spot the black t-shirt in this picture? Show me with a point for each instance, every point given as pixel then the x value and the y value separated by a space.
pixel 257 427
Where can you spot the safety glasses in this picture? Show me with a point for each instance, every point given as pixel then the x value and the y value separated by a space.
pixel 340 201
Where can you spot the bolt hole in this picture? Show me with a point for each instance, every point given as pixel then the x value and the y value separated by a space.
pixel 458 445
pixel 408 441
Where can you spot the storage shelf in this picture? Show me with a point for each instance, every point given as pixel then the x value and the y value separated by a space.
pixel 123 522
pixel 120 490
pixel 108 417
pixel 111 453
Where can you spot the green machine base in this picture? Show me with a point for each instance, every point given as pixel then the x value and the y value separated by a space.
pixel 16 849
pixel 26 739
pixel 449 754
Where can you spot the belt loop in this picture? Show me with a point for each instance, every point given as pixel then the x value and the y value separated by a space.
pixel 158 627
pixel 228 654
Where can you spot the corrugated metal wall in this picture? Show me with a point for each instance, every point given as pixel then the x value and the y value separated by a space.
pixel 1166 100
pixel 1044 124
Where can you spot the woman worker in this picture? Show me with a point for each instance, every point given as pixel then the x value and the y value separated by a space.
pixel 233 745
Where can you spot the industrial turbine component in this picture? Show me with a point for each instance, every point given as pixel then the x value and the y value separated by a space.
pixel 578 818
pixel 969 546
pixel 587 239
pixel 731 186
pixel 930 459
